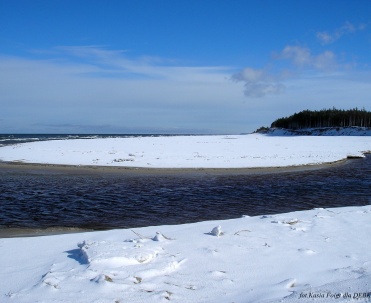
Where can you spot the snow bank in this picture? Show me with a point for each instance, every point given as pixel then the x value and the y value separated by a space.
pixel 243 151
pixel 294 257
pixel 325 131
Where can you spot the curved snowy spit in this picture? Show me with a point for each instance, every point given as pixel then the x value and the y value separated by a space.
pixel 240 151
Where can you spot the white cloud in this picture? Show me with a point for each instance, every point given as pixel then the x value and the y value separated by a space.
pixel 261 82
pixel 258 82
pixel 325 61
pixel 348 28
pixel 302 57
pixel 115 63
pixel 108 76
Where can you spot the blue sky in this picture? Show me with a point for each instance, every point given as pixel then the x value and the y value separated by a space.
pixel 178 66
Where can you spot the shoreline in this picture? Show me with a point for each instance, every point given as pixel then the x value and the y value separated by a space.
pixel 18 232
pixel 144 171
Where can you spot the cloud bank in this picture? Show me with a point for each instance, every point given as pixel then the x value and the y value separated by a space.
pixel 89 85
pixel 75 89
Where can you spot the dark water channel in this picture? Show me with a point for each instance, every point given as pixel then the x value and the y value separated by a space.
pixel 104 201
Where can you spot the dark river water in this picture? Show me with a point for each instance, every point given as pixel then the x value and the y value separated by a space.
pixel 104 201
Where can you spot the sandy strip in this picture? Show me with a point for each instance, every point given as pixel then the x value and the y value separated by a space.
pixel 38 168
pixel 37 232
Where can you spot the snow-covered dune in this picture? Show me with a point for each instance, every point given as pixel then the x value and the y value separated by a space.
pixel 243 151
pixel 321 255
pixel 324 131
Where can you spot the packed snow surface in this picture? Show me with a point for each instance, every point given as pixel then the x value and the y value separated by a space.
pixel 320 255
pixel 242 151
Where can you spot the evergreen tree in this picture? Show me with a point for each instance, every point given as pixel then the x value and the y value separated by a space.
pixel 325 118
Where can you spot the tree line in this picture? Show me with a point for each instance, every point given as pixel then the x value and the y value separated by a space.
pixel 325 118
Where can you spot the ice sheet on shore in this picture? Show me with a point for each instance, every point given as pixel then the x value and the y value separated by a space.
pixel 321 255
pixel 243 151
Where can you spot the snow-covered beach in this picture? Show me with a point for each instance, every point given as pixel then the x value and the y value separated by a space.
pixel 320 255
pixel 240 151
